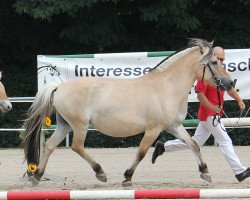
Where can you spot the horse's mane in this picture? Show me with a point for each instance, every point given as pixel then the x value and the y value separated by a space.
pixel 194 42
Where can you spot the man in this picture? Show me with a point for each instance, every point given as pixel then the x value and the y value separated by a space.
pixel 209 107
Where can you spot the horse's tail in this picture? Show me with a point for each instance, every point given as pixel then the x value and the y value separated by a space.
pixel 40 109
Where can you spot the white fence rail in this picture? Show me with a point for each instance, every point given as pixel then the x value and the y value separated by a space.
pixel 21 99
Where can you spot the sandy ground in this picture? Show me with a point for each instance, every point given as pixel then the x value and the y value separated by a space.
pixel 176 170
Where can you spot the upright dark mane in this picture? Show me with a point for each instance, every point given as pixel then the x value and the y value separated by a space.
pixel 199 42
pixel 168 58
pixel 192 43
pixel 202 43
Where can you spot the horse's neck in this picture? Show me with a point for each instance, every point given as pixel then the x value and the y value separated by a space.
pixel 183 70
pixel 185 54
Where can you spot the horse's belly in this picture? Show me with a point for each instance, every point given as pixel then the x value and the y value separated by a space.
pixel 119 129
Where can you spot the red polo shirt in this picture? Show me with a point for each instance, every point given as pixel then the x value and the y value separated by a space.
pixel 211 93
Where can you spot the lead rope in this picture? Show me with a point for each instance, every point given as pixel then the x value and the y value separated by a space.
pixel 216 116
pixel 241 116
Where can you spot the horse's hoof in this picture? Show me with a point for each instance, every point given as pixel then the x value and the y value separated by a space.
pixel 34 181
pixel 206 177
pixel 101 177
pixel 126 183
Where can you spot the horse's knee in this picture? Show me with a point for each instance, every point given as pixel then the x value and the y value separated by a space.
pixel 75 148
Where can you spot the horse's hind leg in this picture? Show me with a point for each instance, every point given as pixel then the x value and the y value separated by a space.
pixel 148 139
pixel 56 138
pixel 180 133
pixel 79 135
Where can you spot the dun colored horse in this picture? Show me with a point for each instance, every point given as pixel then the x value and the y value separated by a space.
pixel 151 103
pixel 5 105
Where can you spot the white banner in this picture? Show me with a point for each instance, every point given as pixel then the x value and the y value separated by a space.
pixel 61 68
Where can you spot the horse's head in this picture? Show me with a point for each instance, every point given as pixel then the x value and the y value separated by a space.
pixel 213 72
pixel 5 104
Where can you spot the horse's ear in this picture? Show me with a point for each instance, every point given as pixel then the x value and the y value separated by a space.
pixel 211 44
pixel 0 75
pixel 206 56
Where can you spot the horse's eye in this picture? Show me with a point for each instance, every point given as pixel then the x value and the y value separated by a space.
pixel 214 62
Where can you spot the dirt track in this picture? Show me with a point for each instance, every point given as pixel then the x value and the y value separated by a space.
pixel 177 170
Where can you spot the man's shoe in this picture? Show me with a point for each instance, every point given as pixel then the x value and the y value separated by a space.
pixel 159 150
pixel 242 176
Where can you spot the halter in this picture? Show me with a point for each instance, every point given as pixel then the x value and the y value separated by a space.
pixel 216 80
pixel 218 83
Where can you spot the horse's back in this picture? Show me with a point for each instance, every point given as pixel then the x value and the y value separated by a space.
pixel 101 88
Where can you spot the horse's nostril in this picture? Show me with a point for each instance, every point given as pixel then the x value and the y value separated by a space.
pixel 231 83
pixel 9 107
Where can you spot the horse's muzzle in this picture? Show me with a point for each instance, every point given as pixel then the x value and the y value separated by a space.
pixel 6 106
pixel 226 83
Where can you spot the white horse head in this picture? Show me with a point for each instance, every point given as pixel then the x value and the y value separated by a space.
pixel 5 104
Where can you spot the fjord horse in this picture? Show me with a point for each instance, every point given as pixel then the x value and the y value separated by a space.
pixel 5 105
pixel 151 103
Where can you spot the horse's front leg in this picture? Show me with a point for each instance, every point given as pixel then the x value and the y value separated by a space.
pixel 181 133
pixel 147 140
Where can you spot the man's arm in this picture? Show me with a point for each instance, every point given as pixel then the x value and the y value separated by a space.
pixel 233 93
pixel 204 101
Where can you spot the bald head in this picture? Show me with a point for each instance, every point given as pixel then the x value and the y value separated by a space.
pixel 219 53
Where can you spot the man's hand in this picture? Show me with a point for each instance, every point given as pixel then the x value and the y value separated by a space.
pixel 241 105
pixel 204 101
pixel 216 109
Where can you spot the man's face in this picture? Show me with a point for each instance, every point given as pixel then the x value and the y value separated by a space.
pixel 220 56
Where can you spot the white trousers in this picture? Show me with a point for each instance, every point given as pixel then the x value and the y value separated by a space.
pixel 202 133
